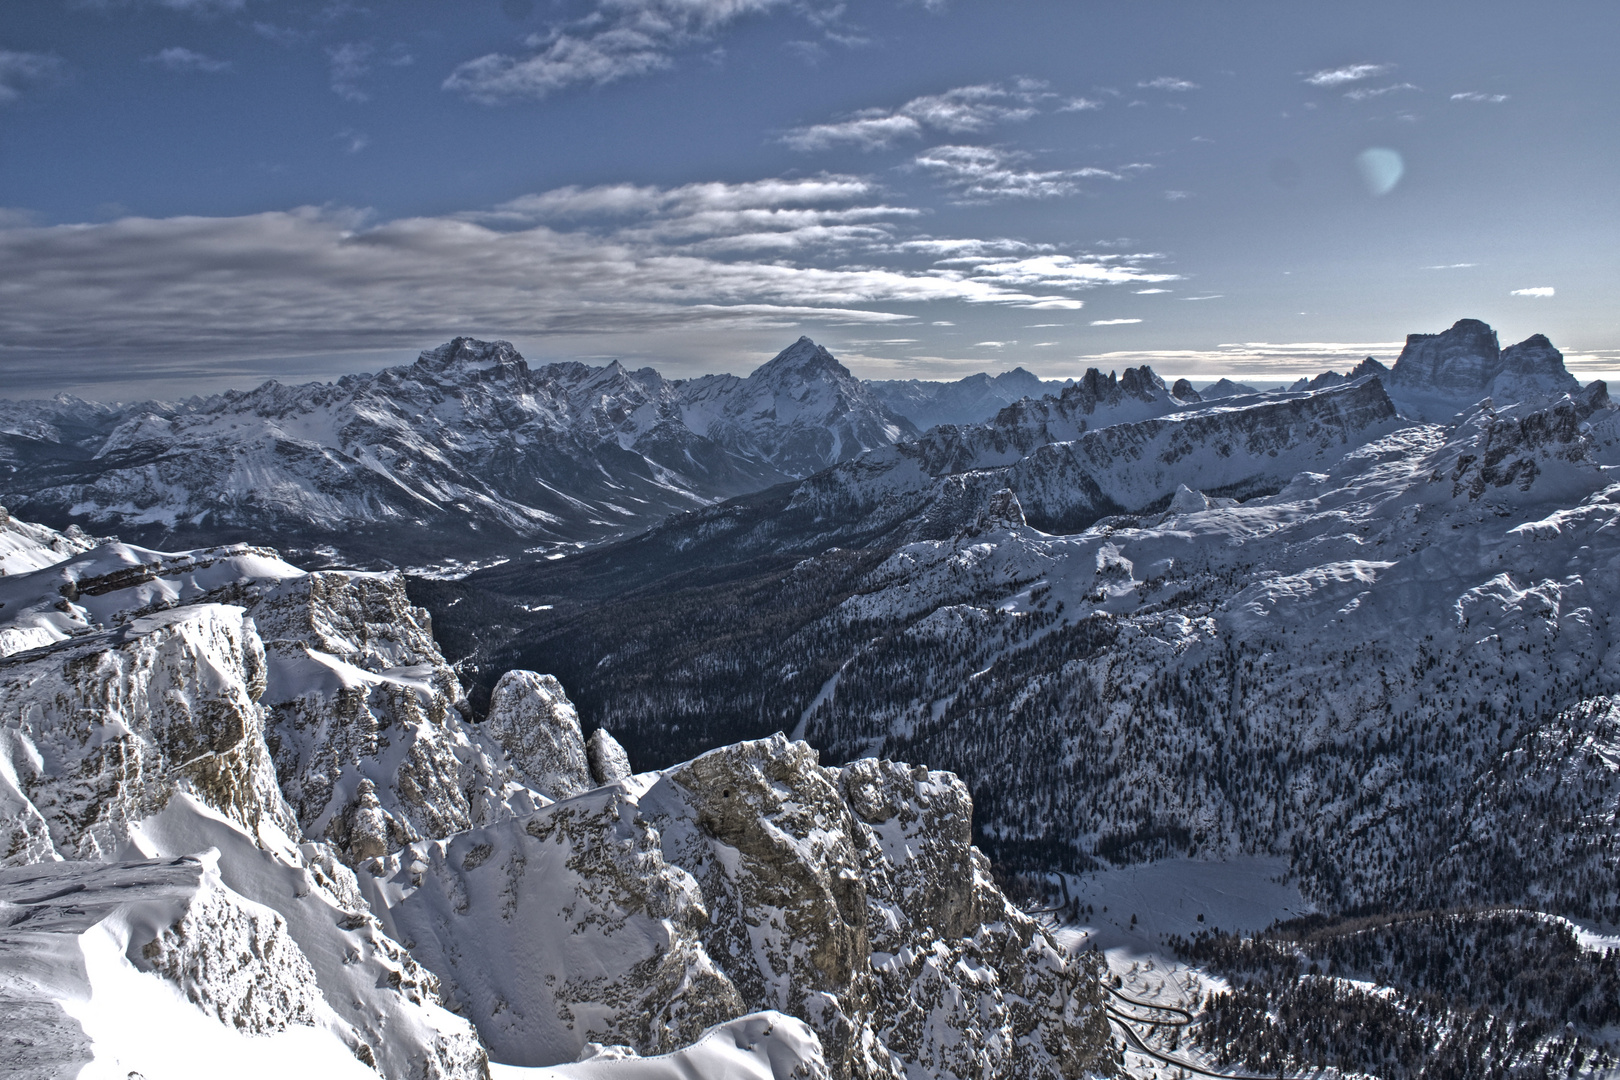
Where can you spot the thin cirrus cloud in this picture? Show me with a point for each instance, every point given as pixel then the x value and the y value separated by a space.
pixel 610 260
pixel 352 61
pixel 1350 73
pixel 1475 95
pixel 977 174
pixel 179 58
pixel 1540 292
pixel 962 110
pixel 771 215
pixel 20 71
pixel 1368 93
pixel 620 39
pixel 1114 322
pixel 1168 82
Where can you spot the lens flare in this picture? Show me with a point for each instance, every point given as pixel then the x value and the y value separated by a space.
pixel 1381 169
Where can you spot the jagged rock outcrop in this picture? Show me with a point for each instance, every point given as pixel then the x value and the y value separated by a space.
pixel 754 878
pixel 103 730
pixel 1465 364
pixel 658 913
pixel 365 723
pixel 608 761
pixel 533 720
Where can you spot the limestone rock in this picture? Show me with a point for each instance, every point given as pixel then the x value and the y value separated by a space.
pixel 533 720
pixel 608 761
pixel 102 730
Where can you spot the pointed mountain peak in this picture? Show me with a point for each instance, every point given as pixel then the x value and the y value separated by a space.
pixel 803 358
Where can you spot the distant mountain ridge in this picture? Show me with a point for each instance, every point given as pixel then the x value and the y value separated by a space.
pixel 469 454
pixel 466 448
pixel 929 403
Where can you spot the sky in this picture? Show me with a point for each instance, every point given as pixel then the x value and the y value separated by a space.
pixel 197 194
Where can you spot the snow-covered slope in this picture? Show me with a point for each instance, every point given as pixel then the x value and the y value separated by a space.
pixel 25 546
pixel 466 453
pixel 217 771
pixel 1402 656
pixel 973 400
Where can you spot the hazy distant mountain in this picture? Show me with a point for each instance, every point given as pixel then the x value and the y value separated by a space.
pixel 972 400
pixel 466 453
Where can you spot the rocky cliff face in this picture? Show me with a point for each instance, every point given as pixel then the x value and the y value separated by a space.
pixel 1465 364
pixel 277 824
pixel 753 878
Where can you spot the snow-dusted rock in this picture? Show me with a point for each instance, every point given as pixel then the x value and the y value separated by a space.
pixel 801 411
pixel 1436 374
pixel 70 931
pixel 531 717
pixel 365 728
pixel 752 878
pixel 103 730
pixel 608 761
pixel 25 547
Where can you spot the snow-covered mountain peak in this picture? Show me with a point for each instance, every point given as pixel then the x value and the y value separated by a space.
pixel 1466 363
pixel 465 353
pixel 802 360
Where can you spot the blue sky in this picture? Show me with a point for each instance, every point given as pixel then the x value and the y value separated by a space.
pixel 201 193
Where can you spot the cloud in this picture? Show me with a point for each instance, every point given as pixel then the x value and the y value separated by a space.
pixel 355 141
pixel 1167 82
pixel 1113 322
pixel 962 110
pixel 1079 104
pixel 1058 271
pixel 20 70
pixel 614 260
pixel 350 62
pixel 1350 73
pixel 620 39
pixel 1452 266
pixel 1540 292
pixel 1474 95
pixel 1251 361
pixel 1177 196
pixel 781 215
pixel 179 58
pixel 281 35
pixel 1366 93
pixel 1151 292
pixel 985 174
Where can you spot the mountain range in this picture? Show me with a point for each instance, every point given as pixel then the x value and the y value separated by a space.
pixel 1357 632
pixel 468 453
pixel 246 815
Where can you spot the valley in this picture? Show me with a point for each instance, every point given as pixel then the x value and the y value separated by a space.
pixel 1268 731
